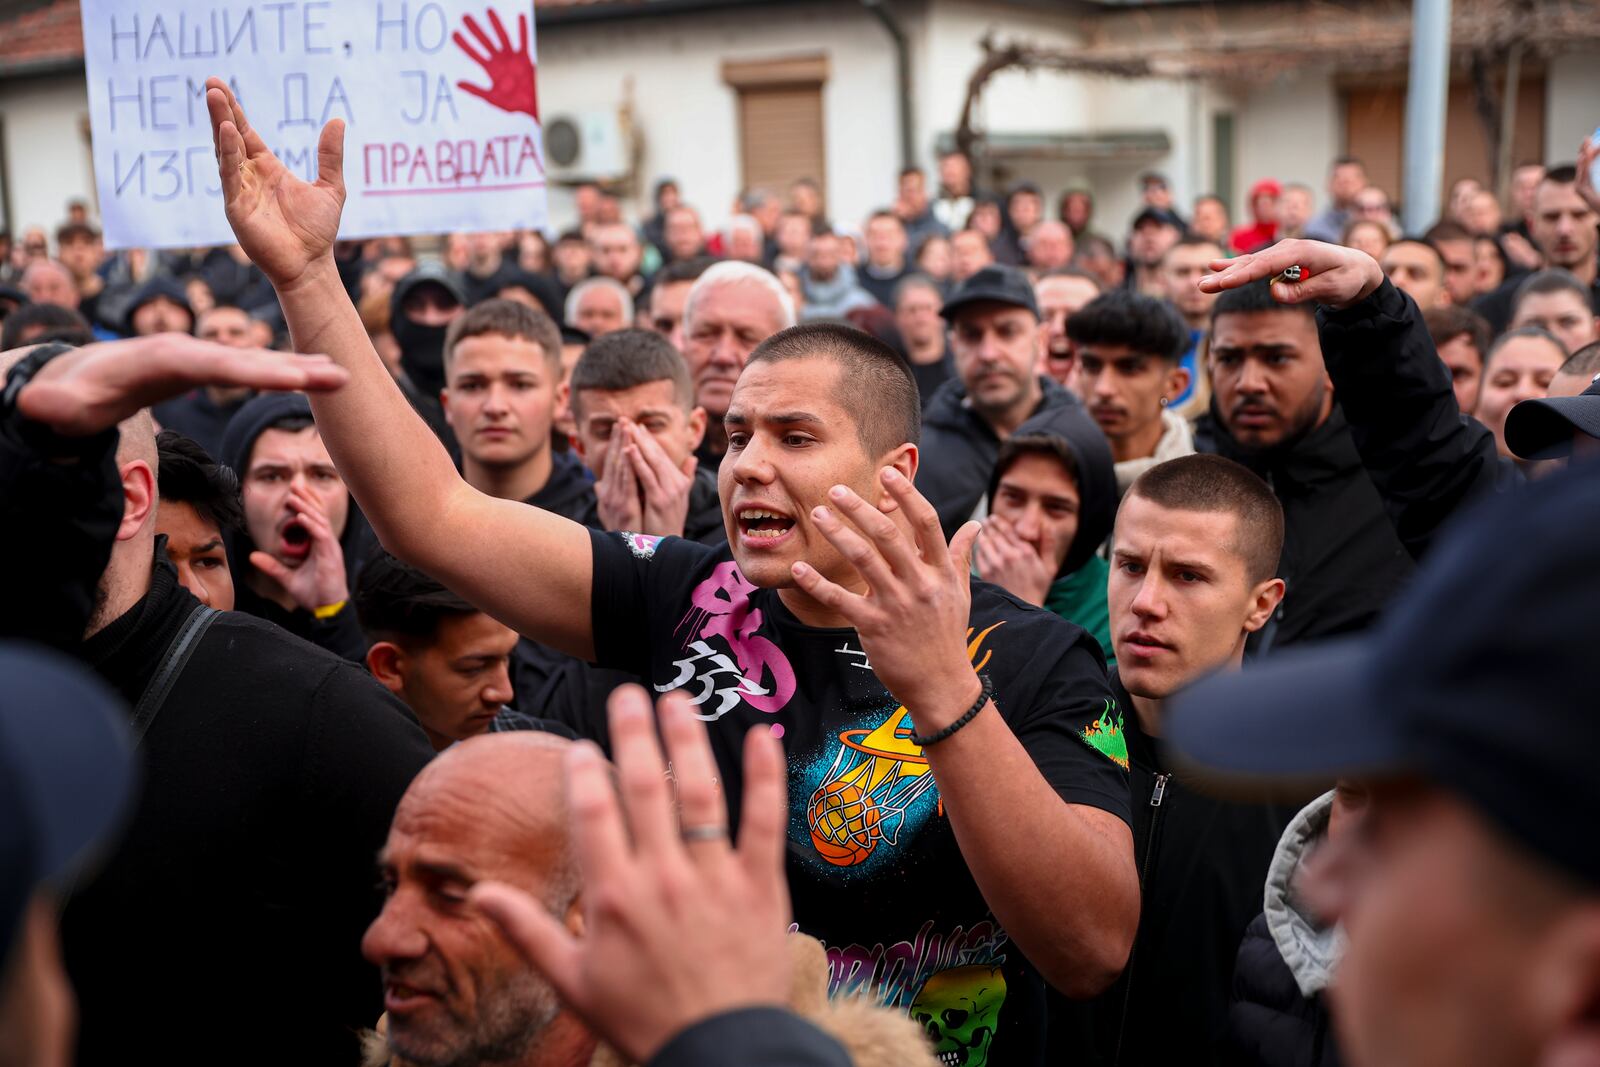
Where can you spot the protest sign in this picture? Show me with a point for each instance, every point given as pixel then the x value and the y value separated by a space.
pixel 438 99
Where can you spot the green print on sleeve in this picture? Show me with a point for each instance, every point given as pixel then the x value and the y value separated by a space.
pixel 1105 736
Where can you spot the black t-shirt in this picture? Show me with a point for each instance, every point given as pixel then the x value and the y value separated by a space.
pixel 874 869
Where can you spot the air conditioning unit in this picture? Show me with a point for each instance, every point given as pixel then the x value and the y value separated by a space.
pixel 585 145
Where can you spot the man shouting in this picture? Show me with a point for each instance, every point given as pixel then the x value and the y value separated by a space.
pixel 958 827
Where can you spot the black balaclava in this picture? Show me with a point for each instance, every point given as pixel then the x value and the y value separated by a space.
pixel 421 347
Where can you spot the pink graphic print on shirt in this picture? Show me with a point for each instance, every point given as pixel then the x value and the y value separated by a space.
pixel 723 622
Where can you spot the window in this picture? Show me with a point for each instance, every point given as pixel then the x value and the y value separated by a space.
pixel 781 135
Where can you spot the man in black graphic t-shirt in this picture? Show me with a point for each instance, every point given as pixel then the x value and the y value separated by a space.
pixel 875 870
pixel 930 869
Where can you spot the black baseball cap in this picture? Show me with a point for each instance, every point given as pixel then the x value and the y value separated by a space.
pixel 1543 428
pixel 1479 679
pixel 1157 215
pixel 994 284
pixel 66 773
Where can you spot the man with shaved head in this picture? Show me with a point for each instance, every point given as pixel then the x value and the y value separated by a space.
pixel 271 768
pixel 456 991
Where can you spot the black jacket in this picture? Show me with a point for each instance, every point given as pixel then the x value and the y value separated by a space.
pixel 270 776
pixel 1279 1015
pixel 959 450
pixel 1202 862
pixel 60 506
pixel 1283 1027
pixel 340 634
pixel 1365 493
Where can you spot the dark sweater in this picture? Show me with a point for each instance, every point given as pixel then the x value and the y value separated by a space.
pixel 271 774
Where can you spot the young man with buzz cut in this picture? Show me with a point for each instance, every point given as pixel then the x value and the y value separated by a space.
pixel 448 661
pixel 1194 566
pixel 638 428
pixel 978 733
pixel 502 369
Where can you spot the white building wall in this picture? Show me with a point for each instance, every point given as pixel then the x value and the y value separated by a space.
pixel 1289 130
pixel 1572 107
pixel 689 118
pixel 47 157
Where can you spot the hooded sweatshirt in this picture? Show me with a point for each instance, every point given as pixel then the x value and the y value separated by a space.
pixel 1279 1015
pixel 959 448
pixel 340 634
pixel 1078 593
pixel 569 491
pixel 422 351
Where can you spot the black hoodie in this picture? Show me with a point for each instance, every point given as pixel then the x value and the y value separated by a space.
pixel 959 449
pixel 340 634
pixel 422 351
pixel 1096 477
pixel 569 491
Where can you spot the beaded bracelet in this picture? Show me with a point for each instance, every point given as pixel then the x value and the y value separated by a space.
pixel 971 713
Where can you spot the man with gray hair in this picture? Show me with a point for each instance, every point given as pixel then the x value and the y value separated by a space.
pixel 456 991
pixel 747 241
pixel 731 309
pixel 598 306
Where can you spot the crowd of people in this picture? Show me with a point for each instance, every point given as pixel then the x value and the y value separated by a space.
pixel 927 535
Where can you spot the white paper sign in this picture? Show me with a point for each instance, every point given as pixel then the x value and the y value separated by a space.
pixel 438 99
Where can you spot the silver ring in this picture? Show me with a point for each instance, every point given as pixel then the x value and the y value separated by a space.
pixel 705 833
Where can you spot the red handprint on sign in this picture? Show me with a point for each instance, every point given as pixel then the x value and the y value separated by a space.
pixel 510 71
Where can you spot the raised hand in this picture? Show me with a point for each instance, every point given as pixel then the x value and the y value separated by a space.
pixel 95 387
pixel 511 71
pixel 666 487
pixel 1011 563
pixel 913 618
pixel 283 224
pixel 1331 275
pixel 679 925
pixel 616 491
pixel 320 580
pixel 1588 155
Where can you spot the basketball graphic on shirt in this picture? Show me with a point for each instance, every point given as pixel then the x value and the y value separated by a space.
pixel 863 798
pixel 841 823
pixel 878 774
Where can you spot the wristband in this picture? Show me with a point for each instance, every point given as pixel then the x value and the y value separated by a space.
pixel 971 713
pixel 328 611
pixel 37 436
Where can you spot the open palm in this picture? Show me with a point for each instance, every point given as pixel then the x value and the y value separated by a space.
pixel 283 224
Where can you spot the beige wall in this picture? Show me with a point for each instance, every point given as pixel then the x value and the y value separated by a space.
pixel 47 157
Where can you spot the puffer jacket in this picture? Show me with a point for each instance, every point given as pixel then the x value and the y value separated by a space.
pixel 1279 1014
